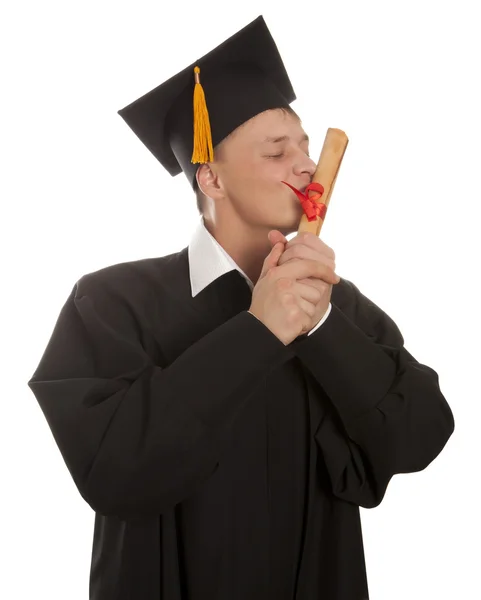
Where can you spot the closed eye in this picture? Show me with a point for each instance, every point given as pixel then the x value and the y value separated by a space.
pixel 282 154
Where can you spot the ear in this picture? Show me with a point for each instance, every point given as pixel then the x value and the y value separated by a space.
pixel 209 181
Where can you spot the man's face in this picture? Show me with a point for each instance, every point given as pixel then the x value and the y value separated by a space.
pixel 253 161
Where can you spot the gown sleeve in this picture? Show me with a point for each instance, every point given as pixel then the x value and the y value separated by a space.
pixel 387 412
pixel 138 438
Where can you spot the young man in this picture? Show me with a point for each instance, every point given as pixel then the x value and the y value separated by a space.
pixel 225 410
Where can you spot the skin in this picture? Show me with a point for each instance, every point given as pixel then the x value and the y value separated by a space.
pixel 245 197
pixel 308 246
pixel 248 210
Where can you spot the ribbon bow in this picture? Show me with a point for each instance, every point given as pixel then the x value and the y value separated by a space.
pixel 312 209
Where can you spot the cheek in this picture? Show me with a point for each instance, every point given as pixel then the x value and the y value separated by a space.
pixel 250 181
pixel 261 188
pixel 253 197
pixel 257 184
pixel 266 175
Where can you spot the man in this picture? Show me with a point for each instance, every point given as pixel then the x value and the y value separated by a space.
pixel 226 409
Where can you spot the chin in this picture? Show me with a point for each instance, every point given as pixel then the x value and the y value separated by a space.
pixel 286 228
pixel 292 219
pixel 285 216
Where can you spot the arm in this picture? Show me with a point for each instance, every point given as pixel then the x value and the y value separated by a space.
pixel 391 415
pixel 138 438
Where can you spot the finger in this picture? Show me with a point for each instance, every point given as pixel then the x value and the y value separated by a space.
pixel 303 251
pixel 304 306
pixel 272 259
pixel 312 241
pixel 299 269
pixel 308 292
pixel 308 307
pixel 318 284
pixel 276 236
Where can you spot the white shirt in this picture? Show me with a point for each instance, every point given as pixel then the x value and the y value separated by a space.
pixel 208 261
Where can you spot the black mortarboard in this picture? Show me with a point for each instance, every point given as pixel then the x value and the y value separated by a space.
pixel 241 78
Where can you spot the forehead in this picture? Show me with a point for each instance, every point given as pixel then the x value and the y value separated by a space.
pixel 267 126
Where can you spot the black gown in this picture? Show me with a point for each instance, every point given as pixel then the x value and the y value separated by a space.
pixel 222 464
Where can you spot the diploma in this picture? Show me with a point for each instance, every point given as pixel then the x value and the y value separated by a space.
pixel 332 153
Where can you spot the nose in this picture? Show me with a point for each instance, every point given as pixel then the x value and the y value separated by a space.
pixel 304 164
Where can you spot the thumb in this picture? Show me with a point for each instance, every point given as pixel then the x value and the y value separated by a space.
pixel 274 236
pixel 272 259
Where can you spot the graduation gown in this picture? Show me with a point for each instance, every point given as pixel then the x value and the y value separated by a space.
pixel 220 463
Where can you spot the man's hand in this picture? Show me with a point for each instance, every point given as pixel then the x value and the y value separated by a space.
pixel 308 245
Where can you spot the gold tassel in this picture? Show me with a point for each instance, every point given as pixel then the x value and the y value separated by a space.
pixel 203 150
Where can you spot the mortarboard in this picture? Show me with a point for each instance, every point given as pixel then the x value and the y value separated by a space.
pixel 239 79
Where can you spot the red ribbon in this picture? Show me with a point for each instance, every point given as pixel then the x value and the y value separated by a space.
pixel 312 209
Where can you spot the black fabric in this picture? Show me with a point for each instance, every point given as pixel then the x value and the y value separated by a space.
pixel 221 463
pixel 242 77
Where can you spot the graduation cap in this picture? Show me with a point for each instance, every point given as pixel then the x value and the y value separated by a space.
pixel 184 118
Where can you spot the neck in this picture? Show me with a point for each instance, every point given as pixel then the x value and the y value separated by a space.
pixel 248 246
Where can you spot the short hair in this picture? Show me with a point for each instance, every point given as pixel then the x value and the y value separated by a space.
pixel 200 196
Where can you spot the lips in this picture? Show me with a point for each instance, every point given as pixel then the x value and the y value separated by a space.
pixel 310 204
pixel 300 189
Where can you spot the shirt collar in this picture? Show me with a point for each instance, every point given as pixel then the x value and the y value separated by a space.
pixel 208 260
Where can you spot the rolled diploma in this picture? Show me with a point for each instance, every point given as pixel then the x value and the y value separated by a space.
pixel 332 153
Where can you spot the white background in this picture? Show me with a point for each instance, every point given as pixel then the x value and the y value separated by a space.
pixel 79 192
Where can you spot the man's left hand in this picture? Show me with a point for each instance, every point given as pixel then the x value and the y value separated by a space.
pixel 308 245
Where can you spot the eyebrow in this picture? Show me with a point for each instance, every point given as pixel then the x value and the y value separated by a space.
pixel 283 138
